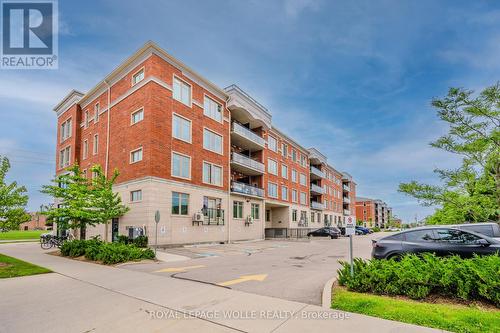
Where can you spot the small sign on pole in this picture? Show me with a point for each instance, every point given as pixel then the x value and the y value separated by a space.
pixel 157 220
pixel 350 229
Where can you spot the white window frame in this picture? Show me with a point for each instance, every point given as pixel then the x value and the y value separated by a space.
pixel 294 195
pixel 221 141
pixel 132 153
pixel 172 165
pixel 284 190
pixel 284 149
pixel 285 175
pixel 181 194
pixel 62 162
pixel 294 176
pixel 190 128
pixel 65 125
pixel 211 168
pixel 133 81
pixel 85 149
pixel 269 145
pixel 269 160
pixel 277 190
pixel 175 77
pixel 300 198
pixel 97 108
pixel 95 146
pixel 305 179
pixel 252 207
pixel 205 96
pixel 86 120
pixel 140 110
pixel 131 198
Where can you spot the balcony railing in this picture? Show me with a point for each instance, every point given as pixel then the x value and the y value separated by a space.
pixel 317 172
pixel 247 189
pixel 213 216
pixel 346 187
pixel 347 212
pixel 317 205
pixel 317 189
pixel 346 200
pixel 247 162
pixel 248 134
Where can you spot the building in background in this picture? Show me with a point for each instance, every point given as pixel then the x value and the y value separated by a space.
pixel 209 159
pixel 372 212
pixel 37 222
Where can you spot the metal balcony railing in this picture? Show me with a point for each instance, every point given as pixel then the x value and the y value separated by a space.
pixel 347 212
pixel 346 200
pixel 317 172
pixel 213 216
pixel 248 162
pixel 317 189
pixel 346 187
pixel 248 134
pixel 317 205
pixel 247 189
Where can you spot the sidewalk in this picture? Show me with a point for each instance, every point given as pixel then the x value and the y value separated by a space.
pixel 216 309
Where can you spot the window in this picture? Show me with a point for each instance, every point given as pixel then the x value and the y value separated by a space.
pixel 138 77
pixel 312 216
pixel 272 190
pixel 284 150
pixel 181 128
pixel 180 203
pixel 303 179
pixel 94 174
pixel 303 198
pixel 294 215
pixel 294 195
pixel 136 155
pixel 303 161
pixel 272 143
pixel 95 149
pixel 284 171
pixel 272 166
pixel 182 91
pixel 212 174
pixel 85 149
pixel 66 130
pixel 294 155
pixel 137 116
pixel 284 193
pixel 135 196
pixel 212 109
pixel 294 175
pixel 87 119
pixel 212 141
pixel 181 166
pixel 96 112
pixel 64 157
pixel 420 236
pixel 255 212
pixel 268 215
pixel 237 209
pixel 456 237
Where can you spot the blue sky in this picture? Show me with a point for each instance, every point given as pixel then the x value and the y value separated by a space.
pixel 352 78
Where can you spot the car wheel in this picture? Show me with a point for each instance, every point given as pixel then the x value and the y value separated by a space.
pixel 395 256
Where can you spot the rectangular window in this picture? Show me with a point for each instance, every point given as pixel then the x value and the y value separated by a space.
pixel 96 112
pixel 95 149
pixel 181 166
pixel 272 143
pixel 135 196
pixel 136 155
pixel 268 215
pixel 212 141
pixel 294 215
pixel 272 166
pixel 303 179
pixel 284 171
pixel 294 195
pixel 284 193
pixel 294 155
pixel 303 198
pixel 303 161
pixel 212 174
pixel 312 216
pixel 180 203
pixel 182 91
pixel 237 209
pixel 85 149
pixel 255 212
pixel 64 157
pixel 294 175
pixel 138 77
pixel 181 128
pixel 272 190
pixel 212 109
pixel 137 116
pixel 66 130
pixel 284 150
pixel 86 119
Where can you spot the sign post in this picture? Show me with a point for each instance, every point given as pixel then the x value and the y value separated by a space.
pixel 350 229
pixel 157 220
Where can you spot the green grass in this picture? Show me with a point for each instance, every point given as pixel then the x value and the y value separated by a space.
pixel 21 234
pixel 15 267
pixel 454 318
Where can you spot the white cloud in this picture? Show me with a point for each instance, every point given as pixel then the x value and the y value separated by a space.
pixel 293 8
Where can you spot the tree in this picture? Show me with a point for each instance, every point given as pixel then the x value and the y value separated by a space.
pixel 13 200
pixel 472 191
pixel 83 202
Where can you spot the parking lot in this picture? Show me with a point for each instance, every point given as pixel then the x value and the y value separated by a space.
pixel 293 270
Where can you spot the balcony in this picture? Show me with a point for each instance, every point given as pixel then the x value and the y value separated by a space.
pixel 347 212
pixel 316 173
pixel 245 189
pixel 315 189
pixel 246 165
pixel 346 200
pixel 245 138
pixel 346 188
pixel 317 205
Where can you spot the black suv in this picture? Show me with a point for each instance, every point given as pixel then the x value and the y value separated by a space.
pixel 332 232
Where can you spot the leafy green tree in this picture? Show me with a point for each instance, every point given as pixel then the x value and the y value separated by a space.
pixel 472 191
pixel 13 200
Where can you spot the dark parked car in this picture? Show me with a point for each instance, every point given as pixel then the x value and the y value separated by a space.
pixel 362 230
pixel 332 232
pixel 439 240
pixel 489 229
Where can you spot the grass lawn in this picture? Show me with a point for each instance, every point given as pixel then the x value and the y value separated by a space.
pixel 454 318
pixel 12 267
pixel 21 234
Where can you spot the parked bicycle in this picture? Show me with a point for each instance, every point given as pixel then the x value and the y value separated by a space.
pixel 48 241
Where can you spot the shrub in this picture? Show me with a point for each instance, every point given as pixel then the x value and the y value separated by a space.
pixel 122 239
pixel 376 229
pixel 418 276
pixel 141 241
pixel 74 248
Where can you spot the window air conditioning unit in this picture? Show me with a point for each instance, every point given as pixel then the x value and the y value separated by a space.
pixel 198 217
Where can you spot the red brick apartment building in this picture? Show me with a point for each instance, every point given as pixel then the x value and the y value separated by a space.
pixel 209 159
pixel 372 212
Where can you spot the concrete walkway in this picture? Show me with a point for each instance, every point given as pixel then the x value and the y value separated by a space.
pixel 85 297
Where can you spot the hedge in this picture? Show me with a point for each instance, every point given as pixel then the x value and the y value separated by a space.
pixel 477 278
pixel 108 253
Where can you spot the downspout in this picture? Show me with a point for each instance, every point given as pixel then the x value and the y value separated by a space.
pixel 106 225
pixel 229 178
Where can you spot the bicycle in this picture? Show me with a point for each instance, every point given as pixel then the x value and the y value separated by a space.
pixel 50 241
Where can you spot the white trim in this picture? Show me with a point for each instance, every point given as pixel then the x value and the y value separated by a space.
pixel 221 174
pixel 172 165
pixel 174 76
pixel 133 151
pixel 135 73
pixel 213 100
pixel 134 112
pixel 267 142
pixel 175 114
pixel 281 171
pixel 85 149
pixel 95 147
pixel 130 196
pixel 277 166
pixel 277 190
pixel 216 133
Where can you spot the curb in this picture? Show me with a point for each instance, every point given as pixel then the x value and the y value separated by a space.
pixel 326 296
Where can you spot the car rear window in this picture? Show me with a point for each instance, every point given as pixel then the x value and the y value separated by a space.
pixel 420 236
pixel 395 237
pixel 486 230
